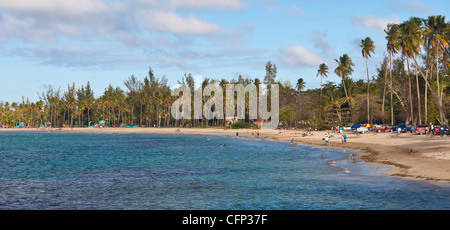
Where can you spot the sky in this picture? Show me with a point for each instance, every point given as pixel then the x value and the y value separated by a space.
pixel 57 43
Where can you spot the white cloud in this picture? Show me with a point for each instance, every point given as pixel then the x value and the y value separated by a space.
pixel 208 4
pixel 298 55
pixel 77 7
pixel 167 62
pixel 374 22
pixel 294 10
pixel 142 28
pixel 173 23
pixel 49 20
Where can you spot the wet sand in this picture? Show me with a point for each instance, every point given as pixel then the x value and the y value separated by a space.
pixel 429 158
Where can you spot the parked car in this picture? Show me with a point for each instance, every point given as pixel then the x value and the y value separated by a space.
pixel 408 128
pixel 387 128
pixel 422 129
pixel 347 128
pixel 443 130
pixel 362 129
pixel 378 128
pixel 400 126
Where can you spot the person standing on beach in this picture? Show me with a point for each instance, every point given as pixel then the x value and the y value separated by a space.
pixel 326 139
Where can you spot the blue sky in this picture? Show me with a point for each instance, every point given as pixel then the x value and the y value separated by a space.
pixel 54 42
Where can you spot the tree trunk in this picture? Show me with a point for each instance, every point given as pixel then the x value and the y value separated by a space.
pixel 437 75
pixel 392 101
pixel 368 88
pixel 426 104
pixel 410 92
pixel 418 98
pixel 384 98
pixel 441 110
pixel 140 116
pixel 346 96
pixel 321 88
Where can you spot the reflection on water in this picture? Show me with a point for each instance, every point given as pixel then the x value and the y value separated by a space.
pixel 143 171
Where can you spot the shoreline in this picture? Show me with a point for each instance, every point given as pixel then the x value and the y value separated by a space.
pixel 429 159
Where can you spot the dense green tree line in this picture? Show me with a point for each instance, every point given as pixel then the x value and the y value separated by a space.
pixel 410 85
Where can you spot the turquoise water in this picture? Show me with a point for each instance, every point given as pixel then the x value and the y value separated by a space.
pixel 44 170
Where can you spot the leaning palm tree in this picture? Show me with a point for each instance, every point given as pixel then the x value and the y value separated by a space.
pixel 367 48
pixel 391 37
pixel 437 28
pixel 322 71
pixel 409 41
pixel 343 70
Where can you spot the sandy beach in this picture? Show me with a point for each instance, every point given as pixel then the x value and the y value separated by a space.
pixel 429 158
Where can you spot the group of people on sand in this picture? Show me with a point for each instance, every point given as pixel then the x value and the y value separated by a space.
pixel 327 136
pixel 309 131
pixel 338 129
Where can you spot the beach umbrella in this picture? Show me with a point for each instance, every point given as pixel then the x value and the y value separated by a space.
pixel 102 122
pixel 368 125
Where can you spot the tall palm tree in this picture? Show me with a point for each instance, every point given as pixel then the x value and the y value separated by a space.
pixel 322 71
pixel 419 23
pixel 391 37
pixel 409 41
pixel 343 70
pixel 367 48
pixel 437 28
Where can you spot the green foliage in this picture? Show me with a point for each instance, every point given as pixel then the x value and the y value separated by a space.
pixel 240 125
pixel 324 127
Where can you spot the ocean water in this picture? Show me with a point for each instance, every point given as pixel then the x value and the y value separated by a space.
pixel 51 170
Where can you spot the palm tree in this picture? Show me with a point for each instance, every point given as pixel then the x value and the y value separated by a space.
pixel 322 71
pixel 419 23
pixel 409 41
pixel 367 48
pixel 436 29
pixel 300 85
pixel 343 70
pixel 391 37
